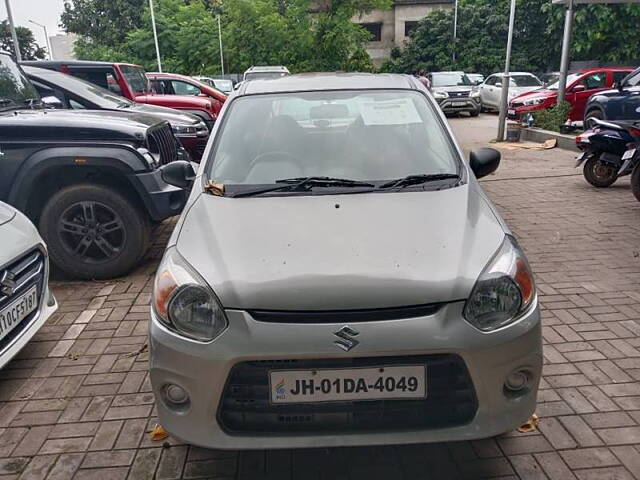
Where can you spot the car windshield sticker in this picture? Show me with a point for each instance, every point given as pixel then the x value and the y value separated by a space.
pixel 396 111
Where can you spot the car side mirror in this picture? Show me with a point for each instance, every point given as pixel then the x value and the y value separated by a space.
pixel 179 173
pixel 579 88
pixel 52 102
pixel 484 161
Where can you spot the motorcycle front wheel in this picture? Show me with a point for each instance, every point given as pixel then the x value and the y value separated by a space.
pixel 635 182
pixel 598 174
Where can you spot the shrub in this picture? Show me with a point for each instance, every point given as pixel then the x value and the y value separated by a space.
pixel 552 118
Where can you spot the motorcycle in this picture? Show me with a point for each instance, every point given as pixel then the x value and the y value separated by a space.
pixel 631 161
pixel 603 147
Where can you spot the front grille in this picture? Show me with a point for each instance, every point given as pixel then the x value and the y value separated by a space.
pixel 162 143
pixel 458 94
pixel 26 271
pixel 245 407
pixel 344 316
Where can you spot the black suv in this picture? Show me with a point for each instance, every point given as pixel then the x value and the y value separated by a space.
pixel 91 180
pixel 621 103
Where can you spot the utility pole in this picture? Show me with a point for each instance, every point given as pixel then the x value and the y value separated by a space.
pixel 46 37
pixel 16 45
pixel 455 29
pixel 566 51
pixel 155 35
pixel 220 39
pixel 506 78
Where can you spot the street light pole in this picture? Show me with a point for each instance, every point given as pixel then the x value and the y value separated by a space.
pixel 155 35
pixel 220 39
pixel 506 78
pixel 46 38
pixel 566 50
pixel 16 45
pixel 455 29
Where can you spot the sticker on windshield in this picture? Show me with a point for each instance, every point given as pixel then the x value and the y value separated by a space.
pixel 396 111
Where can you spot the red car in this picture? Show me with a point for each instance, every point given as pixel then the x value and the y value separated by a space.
pixel 581 84
pixel 175 84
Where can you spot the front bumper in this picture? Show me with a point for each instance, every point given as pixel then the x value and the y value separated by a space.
pixel 452 105
pixel 160 199
pixel 203 370
pixel 516 113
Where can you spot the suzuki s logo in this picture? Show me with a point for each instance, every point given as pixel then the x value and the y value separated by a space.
pixel 345 338
pixel 7 283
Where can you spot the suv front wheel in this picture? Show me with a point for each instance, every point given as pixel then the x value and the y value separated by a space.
pixel 94 232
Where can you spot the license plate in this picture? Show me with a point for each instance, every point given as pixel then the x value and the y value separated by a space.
pixel 370 383
pixel 459 104
pixel 511 111
pixel 17 311
pixel 629 154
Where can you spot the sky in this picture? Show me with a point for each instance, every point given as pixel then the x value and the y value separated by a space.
pixel 46 12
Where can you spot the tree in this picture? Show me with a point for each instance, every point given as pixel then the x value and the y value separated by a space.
pixel 29 49
pixel 607 33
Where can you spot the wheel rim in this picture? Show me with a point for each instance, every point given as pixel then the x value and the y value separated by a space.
pixel 92 232
pixel 603 172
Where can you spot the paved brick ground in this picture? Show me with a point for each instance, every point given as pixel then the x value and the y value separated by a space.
pixel 76 403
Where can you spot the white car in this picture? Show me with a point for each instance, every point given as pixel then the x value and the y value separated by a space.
pixel 25 299
pixel 491 89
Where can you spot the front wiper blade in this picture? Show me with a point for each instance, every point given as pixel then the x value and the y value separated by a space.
pixel 304 183
pixel 418 179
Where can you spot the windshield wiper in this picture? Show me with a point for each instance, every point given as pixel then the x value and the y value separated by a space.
pixel 304 183
pixel 418 179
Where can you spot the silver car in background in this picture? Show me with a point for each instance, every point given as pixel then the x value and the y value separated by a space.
pixel 519 83
pixel 339 278
pixel 25 299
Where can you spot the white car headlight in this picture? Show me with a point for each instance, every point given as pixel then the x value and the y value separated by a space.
pixel 184 302
pixel 440 95
pixel 504 290
pixel 475 94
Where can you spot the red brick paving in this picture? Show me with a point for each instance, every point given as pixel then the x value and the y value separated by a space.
pixel 76 403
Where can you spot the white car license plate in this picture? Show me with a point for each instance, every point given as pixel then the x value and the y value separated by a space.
pixel 629 154
pixel 511 111
pixel 377 383
pixel 459 104
pixel 17 311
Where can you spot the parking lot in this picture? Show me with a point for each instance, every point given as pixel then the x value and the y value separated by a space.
pixel 77 403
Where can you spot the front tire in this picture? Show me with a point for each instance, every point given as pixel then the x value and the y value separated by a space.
pixel 599 175
pixel 475 113
pixel 635 182
pixel 94 232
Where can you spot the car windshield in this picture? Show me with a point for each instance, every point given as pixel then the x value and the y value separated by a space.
pixel 263 75
pixel 15 89
pixel 136 78
pixel 450 79
pixel 75 86
pixel 356 135
pixel 524 81
pixel 633 79
pixel 570 79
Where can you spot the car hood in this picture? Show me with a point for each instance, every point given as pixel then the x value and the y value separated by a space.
pixel 517 91
pixel 533 94
pixel 176 101
pixel 75 125
pixel 174 117
pixel 6 213
pixel 335 252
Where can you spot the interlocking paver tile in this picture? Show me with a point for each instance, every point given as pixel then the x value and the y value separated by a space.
pixel 76 403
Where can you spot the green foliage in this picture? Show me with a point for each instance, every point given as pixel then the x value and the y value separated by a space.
pixel 552 118
pixel 29 49
pixel 607 33
pixel 255 32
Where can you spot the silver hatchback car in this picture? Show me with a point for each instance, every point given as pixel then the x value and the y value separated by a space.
pixel 338 278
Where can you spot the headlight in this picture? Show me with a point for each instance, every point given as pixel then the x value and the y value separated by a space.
pixel 184 129
pixel 440 95
pixel 475 94
pixel 534 101
pixel 149 158
pixel 184 302
pixel 504 290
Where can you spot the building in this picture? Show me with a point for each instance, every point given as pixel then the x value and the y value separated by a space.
pixel 390 28
pixel 62 46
